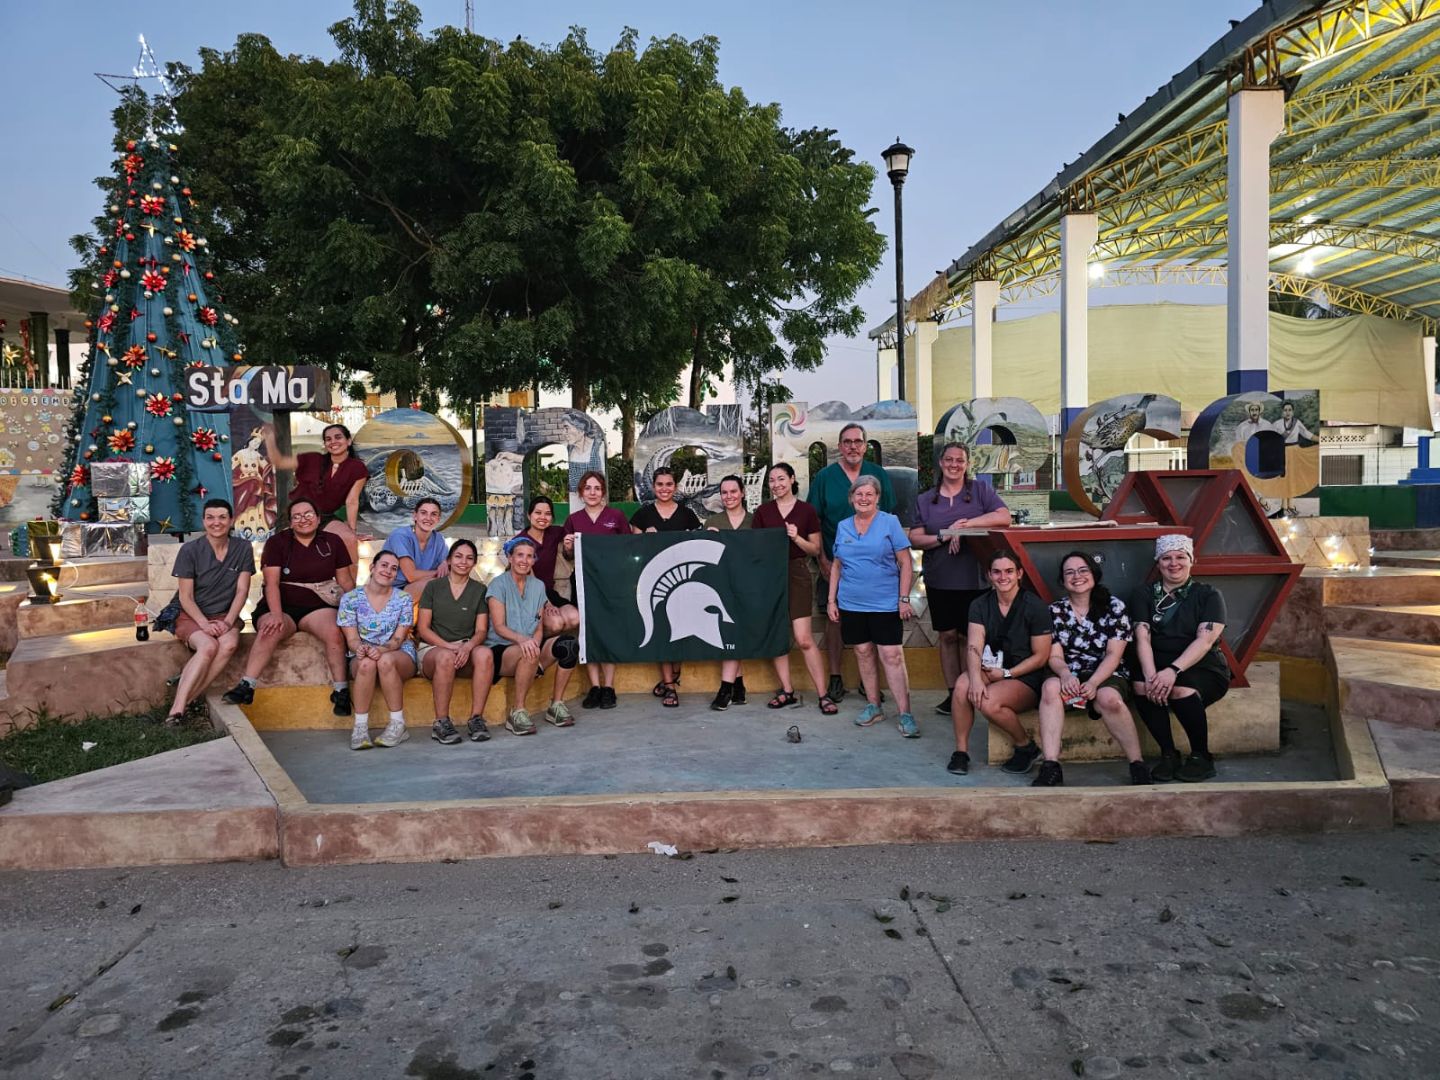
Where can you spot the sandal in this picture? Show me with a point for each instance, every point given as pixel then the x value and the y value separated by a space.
pixel 174 720
pixel 828 706
pixel 784 699
pixel 658 689
pixel 671 698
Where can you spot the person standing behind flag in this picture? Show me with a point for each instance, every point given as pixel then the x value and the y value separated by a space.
pixel 830 495
pixel 665 515
pixel 870 578
pixel 802 525
pixel 595 517
pixel 731 517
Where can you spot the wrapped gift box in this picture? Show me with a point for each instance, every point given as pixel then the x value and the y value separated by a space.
pixel 72 539
pixel 119 479
pixel 134 509
pixel 108 538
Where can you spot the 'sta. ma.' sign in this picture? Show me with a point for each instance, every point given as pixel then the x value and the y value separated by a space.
pixel 296 389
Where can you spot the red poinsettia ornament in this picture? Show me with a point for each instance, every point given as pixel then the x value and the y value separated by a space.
pixel 157 405
pixel 153 281
pixel 135 356
pixel 79 476
pixel 152 205
pixel 208 316
pixel 185 239
pixel 121 440
pixel 204 438
pixel 162 469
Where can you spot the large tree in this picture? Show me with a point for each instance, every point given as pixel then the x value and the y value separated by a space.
pixel 458 217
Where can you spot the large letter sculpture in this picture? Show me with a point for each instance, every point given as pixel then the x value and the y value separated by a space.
pixel 1020 443
pixel 1093 452
pixel 715 431
pixel 411 455
pixel 1283 460
pixel 511 435
pixel 795 426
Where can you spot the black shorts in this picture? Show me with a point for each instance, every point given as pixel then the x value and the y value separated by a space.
pixel 295 614
pixel 871 627
pixel 950 608
pixel 498 651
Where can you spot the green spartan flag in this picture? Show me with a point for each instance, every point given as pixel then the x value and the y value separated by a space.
pixel 683 596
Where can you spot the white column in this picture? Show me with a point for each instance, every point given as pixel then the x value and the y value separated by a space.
pixel 885 374
pixel 984 297
pixel 922 342
pixel 1256 118
pixel 1427 350
pixel 1078 233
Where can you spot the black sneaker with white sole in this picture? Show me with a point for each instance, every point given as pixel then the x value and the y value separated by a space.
pixel 1050 775
pixel 1024 758
pixel 477 729
pixel 737 695
pixel 443 732
pixel 943 707
pixel 340 699
pixel 959 763
pixel 242 693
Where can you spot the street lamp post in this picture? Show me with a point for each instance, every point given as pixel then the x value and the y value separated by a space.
pixel 897 164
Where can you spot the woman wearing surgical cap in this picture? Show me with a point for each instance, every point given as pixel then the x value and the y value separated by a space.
pixel 1178 622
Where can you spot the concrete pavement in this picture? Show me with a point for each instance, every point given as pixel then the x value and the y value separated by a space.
pixel 1310 956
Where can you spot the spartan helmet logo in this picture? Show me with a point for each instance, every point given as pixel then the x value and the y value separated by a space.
pixel 692 608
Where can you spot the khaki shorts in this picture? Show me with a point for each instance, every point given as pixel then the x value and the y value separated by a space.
pixel 425 650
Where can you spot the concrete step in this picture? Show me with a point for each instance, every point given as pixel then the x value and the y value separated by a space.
pixel 89 671
pixel 107 571
pixel 91 607
pixel 1414 623
pixel 1411 759
pixel 1394 681
pixel 1379 585
pixel 1418 560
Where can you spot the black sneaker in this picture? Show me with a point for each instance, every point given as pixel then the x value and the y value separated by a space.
pixel 1197 767
pixel 477 729
pixel 593 697
pixel 341 700
pixel 242 693
pixel 443 732
pixel 737 694
pixel 1050 775
pixel 607 697
pixel 959 763
pixel 1024 758
pixel 1164 770
pixel 836 689
pixel 943 708
pixel 1139 774
pixel 723 697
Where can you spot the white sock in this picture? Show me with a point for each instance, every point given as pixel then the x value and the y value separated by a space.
pixel 362 720
pixel 398 717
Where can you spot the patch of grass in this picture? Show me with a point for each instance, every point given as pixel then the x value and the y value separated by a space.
pixel 51 748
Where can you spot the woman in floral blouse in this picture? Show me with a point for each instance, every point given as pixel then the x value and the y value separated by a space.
pixel 1087 659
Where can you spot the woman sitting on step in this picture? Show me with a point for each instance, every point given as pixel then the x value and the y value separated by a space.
pixel 1178 624
pixel 451 626
pixel 376 622
pixel 1092 632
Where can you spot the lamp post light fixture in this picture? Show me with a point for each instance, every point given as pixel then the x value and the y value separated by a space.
pixel 897 165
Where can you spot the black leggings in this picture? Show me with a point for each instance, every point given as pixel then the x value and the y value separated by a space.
pixel 1190 711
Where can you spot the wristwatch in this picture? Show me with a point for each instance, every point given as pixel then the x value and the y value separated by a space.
pixel 1173 668
pixel 1005 673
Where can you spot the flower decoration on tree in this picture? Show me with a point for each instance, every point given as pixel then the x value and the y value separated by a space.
pixel 109 278
pixel 162 469
pixel 106 322
pixel 157 405
pixel 152 205
pixel 153 281
pixel 185 239
pixel 135 356
pixel 79 476
pixel 133 164
pixel 121 440
pixel 208 316
pixel 204 438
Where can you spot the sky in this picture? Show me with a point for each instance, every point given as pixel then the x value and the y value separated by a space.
pixel 994 98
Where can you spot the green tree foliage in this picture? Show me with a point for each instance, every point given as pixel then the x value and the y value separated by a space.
pixel 459 217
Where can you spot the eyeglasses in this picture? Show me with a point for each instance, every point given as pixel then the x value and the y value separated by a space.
pixel 852 442
pixel 1083 571
pixel 303 515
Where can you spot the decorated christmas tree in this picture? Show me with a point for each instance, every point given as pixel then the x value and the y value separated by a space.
pixel 158 316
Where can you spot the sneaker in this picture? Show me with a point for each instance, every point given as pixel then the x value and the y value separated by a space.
pixel 341 700
pixel 959 763
pixel 908 727
pixel 1197 767
pixel 394 734
pixel 242 693
pixel 477 729
pixel 1164 770
pixel 559 715
pixel 1050 775
pixel 835 691
pixel 443 732
pixel 1139 774
pixel 519 723
pixel 1024 758
pixel 360 738
pixel 737 695
pixel 593 698
pixel 869 715
pixel 723 697
pixel 943 708
pixel 607 697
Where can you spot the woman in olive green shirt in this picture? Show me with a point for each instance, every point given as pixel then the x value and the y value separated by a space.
pixel 451 629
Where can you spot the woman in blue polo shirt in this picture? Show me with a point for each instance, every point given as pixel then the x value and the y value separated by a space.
pixel 870 577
